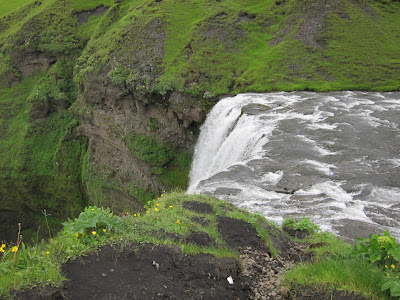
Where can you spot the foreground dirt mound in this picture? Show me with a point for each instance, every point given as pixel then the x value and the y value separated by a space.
pixel 152 272
pixel 148 271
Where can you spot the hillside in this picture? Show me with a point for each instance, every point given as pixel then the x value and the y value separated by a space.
pixel 101 101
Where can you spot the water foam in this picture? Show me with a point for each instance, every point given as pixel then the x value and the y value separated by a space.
pixel 324 156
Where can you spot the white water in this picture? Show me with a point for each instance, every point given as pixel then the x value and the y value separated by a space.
pixel 333 157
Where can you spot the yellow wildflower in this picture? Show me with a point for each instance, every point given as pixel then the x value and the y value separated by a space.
pixel 76 234
pixel 171 206
pixel 178 222
pixel 3 246
pixel 92 209
pixel 134 215
pixel 158 204
pixel 388 274
pixel 127 213
pixel 14 249
pixel 158 198
pixel 94 232
pixel 162 195
pixel 147 211
pixel 48 252
pixel 386 266
pixel 393 266
pixel 156 209
pixel 2 250
pixel 104 230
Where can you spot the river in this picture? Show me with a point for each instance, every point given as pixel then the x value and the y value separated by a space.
pixel 333 157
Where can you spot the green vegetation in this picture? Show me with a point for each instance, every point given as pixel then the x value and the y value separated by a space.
pixel 304 224
pixel 352 50
pixel 149 150
pixel 79 5
pixel 362 269
pixel 166 222
pixel 40 161
pixel 169 163
pixel 344 275
pixel 7 7
pixel 384 252
pixel 370 267
pixel 93 219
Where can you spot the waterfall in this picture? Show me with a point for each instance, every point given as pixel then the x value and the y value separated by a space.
pixel 332 157
pixel 230 135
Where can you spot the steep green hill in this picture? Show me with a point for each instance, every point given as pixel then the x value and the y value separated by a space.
pixel 101 101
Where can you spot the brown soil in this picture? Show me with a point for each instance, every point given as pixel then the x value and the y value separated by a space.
pixel 199 207
pixel 163 272
pixel 148 272
pixel 239 234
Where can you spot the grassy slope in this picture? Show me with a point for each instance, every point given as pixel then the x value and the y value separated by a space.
pixel 7 7
pixel 210 46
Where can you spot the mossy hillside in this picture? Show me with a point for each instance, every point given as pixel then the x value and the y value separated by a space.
pixel 48 30
pixel 41 154
pixel 41 157
pixel 355 47
pixel 46 25
pixel 171 165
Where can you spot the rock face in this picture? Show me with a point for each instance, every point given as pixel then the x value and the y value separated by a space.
pixel 113 117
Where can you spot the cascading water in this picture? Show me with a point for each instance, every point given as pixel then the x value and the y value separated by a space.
pixel 334 157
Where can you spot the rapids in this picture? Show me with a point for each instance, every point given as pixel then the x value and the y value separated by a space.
pixel 333 157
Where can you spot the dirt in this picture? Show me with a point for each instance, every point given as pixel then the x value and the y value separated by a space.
pixel 199 207
pixel 200 220
pixel 239 234
pixel 200 238
pixel 83 16
pixel 147 271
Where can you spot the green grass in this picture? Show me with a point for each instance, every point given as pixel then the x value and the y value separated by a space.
pixel 79 5
pixel 167 222
pixel 333 267
pixel 7 7
pixel 203 39
pixel 14 124
pixel 348 275
pixel 40 264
